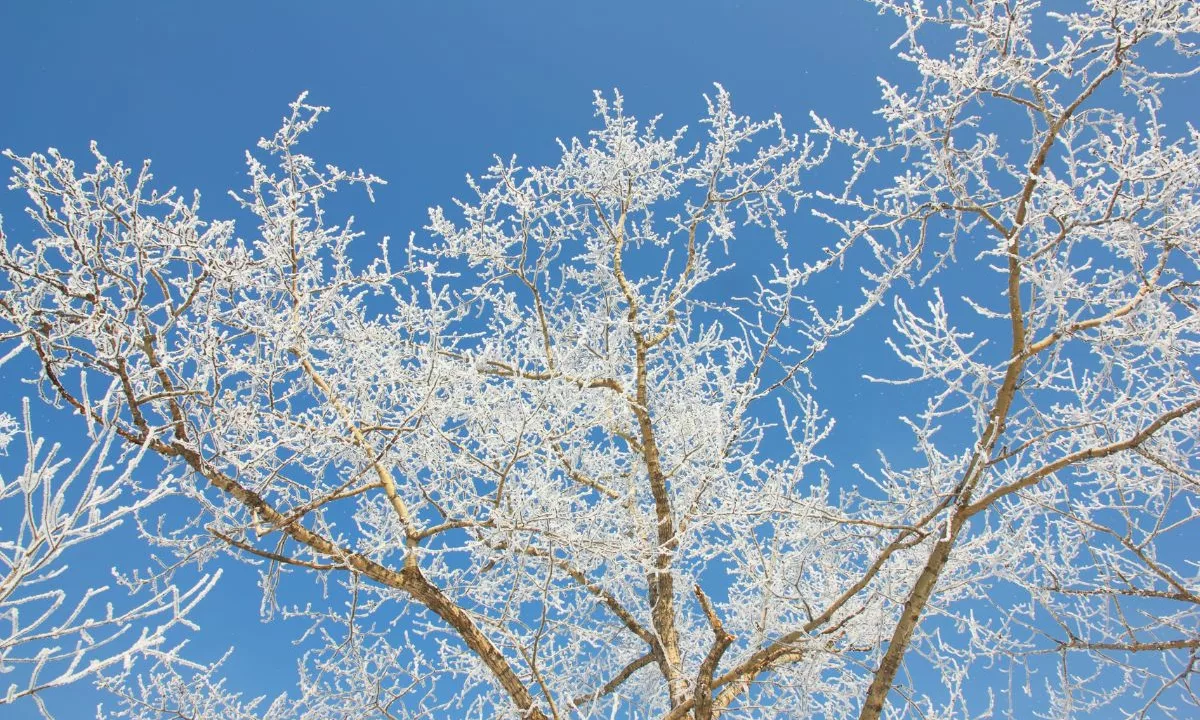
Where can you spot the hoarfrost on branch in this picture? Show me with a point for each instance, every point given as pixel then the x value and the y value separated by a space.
pixel 542 463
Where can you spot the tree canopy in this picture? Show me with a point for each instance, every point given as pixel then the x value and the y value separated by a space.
pixel 561 455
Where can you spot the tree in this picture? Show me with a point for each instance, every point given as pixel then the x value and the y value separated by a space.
pixel 53 639
pixel 544 464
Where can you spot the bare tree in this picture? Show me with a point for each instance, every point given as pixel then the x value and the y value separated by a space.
pixel 548 440
pixel 52 638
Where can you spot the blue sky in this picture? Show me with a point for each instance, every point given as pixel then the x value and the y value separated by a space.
pixel 421 93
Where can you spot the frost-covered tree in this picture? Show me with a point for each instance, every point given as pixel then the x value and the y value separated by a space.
pixel 48 637
pixel 561 455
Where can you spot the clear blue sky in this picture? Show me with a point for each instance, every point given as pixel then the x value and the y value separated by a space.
pixel 422 93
